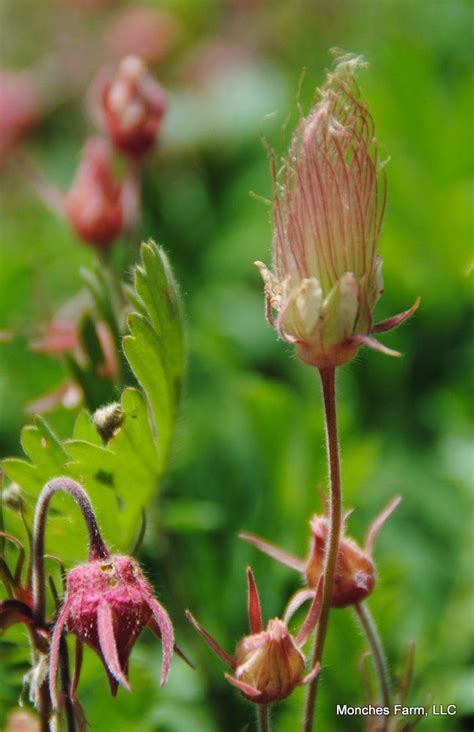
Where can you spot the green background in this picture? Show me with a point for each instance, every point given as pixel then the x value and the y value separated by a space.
pixel 249 453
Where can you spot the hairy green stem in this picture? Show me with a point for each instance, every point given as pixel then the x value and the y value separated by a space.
pixel 380 662
pixel 328 378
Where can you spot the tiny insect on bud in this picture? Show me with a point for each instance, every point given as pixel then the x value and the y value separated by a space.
pixel 94 200
pixel 133 107
pixel 108 420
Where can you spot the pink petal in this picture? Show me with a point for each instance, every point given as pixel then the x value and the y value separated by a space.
pixel 298 599
pixel 155 628
pixel 167 635
pixel 250 691
pixel 395 320
pixel 54 652
pixel 311 676
pixel 365 340
pixel 108 646
pixel 228 660
pixel 312 616
pixel 377 524
pixel 273 551
pixel 254 609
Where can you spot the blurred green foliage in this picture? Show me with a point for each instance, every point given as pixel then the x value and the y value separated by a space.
pixel 250 451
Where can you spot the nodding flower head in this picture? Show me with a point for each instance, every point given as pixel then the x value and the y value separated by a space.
pixel 133 106
pixel 107 605
pixel 354 577
pixel 94 201
pixel 328 212
pixel 267 664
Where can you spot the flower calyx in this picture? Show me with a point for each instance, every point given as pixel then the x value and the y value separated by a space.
pixel 354 578
pixel 94 202
pixel 268 663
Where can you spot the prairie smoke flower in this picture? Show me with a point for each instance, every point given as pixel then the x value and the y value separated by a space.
pixel 108 603
pixel 133 106
pixel 328 212
pixel 354 577
pixel 267 664
pixel 94 201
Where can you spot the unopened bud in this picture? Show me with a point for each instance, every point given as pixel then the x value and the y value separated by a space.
pixel 93 203
pixel 11 497
pixel 134 105
pixel 354 578
pixel 270 662
pixel 108 420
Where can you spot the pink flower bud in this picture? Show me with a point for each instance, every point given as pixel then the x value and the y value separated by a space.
pixel 93 203
pixel 328 209
pixel 268 664
pixel 108 604
pixel 133 105
pixel 354 579
pixel 270 661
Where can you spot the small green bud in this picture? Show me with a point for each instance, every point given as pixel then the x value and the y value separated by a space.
pixel 108 420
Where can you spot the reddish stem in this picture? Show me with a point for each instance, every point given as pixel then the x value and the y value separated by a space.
pixel 328 377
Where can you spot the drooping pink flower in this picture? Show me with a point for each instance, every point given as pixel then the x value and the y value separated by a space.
pixel 133 107
pixel 94 200
pixel 108 603
pixel 268 664
pixel 354 577
pixel 328 212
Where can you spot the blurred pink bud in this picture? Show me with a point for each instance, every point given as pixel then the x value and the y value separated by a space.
pixel 68 395
pixel 93 202
pixel 58 336
pixel 108 603
pixel 134 105
pixel 140 31
pixel 20 107
pixel 326 276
